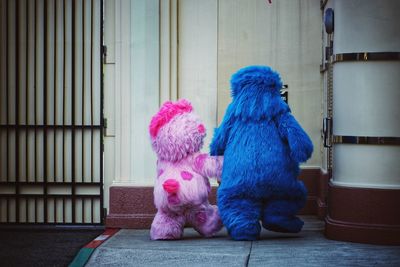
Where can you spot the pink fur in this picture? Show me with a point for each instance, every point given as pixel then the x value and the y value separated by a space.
pixel 178 138
pixel 201 128
pixel 186 175
pixel 182 188
pixel 207 166
pixel 199 161
pixel 166 113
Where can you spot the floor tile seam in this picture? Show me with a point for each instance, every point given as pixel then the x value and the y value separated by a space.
pixel 249 254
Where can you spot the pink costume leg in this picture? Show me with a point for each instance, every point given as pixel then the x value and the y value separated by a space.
pixel 167 226
pixel 205 219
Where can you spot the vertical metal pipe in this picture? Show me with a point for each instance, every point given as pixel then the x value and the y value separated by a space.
pixel 55 92
pixel 91 92
pixel 1 90
pixel 36 209
pixel 73 114
pixel 55 209
pixel 63 89
pixel 7 106
pixel 8 209
pixel 83 90
pixel 83 209
pixel 35 97
pixel 91 210
pixel 17 83
pixel 45 111
pixel 102 215
pixel 26 206
pixel 27 93
pixel 63 204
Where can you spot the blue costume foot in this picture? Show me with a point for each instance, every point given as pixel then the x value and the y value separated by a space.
pixel 245 232
pixel 283 224
pixel 280 215
pixel 241 216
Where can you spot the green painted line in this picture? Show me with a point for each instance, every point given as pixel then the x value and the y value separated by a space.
pixel 82 257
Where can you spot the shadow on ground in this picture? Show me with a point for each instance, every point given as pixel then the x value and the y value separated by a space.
pixel 42 247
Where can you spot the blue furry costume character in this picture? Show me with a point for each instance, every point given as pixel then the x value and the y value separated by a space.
pixel 262 144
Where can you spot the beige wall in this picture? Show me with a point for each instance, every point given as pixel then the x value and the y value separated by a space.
pixel 192 53
pixel 285 35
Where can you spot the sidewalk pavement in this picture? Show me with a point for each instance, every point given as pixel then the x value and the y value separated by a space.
pixel 308 248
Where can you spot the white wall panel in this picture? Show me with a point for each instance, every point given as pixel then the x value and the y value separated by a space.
pixel 197 60
pixel 145 84
pixel 122 91
pixel 132 77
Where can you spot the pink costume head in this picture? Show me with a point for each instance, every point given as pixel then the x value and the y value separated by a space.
pixel 176 131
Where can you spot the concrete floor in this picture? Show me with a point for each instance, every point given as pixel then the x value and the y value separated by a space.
pixel 308 248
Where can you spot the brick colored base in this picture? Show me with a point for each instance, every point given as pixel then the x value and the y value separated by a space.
pixel 132 207
pixel 363 215
pixel 322 195
pixel 312 181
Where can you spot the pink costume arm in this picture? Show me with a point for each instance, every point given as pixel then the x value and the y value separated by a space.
pixel 209 166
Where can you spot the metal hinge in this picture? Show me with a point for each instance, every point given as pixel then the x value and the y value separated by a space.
pixel 323 67
pixel 105 125
pixel 327 132
pixel 107 132
pixel 104 54
pixel 322 4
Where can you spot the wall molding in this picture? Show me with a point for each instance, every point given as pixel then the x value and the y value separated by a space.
pixel 132 206
pixel 364 215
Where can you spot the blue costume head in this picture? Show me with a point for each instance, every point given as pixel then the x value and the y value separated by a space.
pixel 260 79
pixel 256 93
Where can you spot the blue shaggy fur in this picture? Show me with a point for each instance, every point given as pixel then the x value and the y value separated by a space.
pixel 262 144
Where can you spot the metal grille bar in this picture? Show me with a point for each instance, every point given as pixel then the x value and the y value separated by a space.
pixel 51 120
pixel 54 127
pixel 366 140
pixel 366 56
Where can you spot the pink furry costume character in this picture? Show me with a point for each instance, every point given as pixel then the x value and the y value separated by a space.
pixel 182 187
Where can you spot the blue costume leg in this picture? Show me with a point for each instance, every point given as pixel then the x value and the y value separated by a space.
pixel 280 213
pixel 240 216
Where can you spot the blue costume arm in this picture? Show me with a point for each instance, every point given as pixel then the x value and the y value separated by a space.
pixel 300 144
pixel 221 135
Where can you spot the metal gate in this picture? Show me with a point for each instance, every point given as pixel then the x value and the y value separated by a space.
pixel 51 133
pixel 327 70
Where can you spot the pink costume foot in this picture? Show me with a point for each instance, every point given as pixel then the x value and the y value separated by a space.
pixel 206 220
pixel 167 226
